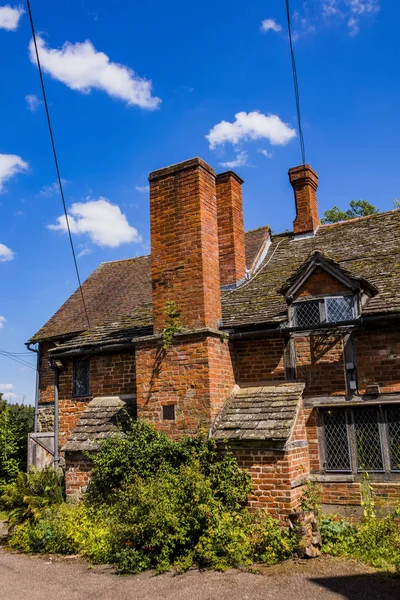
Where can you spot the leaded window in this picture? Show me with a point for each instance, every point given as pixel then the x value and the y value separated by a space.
pixel 80 378
pixel 332 309
pixel 361 439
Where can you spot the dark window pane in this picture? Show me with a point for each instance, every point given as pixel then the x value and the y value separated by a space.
pixel 169 412
pixel 339 309
pixel 80 386
pixel 393 424
pixel 307 313
pixel 336 441
pixel 368 440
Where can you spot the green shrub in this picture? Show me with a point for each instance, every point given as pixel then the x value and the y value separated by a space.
pixel 143 451
pixel 30 493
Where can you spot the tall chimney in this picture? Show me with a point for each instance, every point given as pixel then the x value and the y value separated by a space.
pixel 184 244
pixel 305 182
pixel 232 256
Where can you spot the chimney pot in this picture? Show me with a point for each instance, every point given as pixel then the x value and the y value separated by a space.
pixel 304 181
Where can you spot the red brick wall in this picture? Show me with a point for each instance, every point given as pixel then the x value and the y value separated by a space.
pixel 320 282
pixel 259 360
pixel 184 244
pixel 195 374
pixel 319 361
pixel 232 254
pixel 46 379
pixel 378 359
pixel 78 471
pixel 111 374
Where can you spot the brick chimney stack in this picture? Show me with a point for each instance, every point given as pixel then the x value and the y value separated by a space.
pixel 305 182
pixel 184 244
pixel 232 256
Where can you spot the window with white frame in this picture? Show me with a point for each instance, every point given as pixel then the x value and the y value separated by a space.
pixel 361 439
pixel 329 309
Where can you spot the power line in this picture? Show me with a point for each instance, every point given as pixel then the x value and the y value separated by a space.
pixel 296 84
pixel 55 157
pixel 17 360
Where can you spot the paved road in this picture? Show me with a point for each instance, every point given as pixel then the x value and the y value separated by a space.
pixel 32 578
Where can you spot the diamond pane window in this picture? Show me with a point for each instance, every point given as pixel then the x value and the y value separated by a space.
pixel 80 382
pixel 339 308
pixel 337 449
pixel 368 440
pixel 307 313
pixel 393 424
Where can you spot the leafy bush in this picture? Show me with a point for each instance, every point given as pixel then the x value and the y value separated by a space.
pixel 30 493
pixel 158 503
pixel 16 421
pixel 143 451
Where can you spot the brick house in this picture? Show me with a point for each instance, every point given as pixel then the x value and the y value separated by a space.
pixel 289 347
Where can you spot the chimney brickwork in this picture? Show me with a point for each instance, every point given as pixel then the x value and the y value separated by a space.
pixel 232 255
pixel 184 244
pixel 305 182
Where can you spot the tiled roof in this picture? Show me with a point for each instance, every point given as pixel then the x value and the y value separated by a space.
pixel 260 413
pixel 103 417
pixel 120 292
pixel 367 247
pixel 113 291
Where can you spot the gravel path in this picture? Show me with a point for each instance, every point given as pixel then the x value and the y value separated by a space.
pixel 39 578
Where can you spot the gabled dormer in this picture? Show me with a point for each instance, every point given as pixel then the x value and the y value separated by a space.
pixel 322 291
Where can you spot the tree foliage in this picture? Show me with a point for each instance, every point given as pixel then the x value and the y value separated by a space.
pixel 16 421
pixel 358 208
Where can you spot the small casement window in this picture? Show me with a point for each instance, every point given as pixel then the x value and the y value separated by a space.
pixel 331 309
pixel 168 412
pixel 80 378
pixel 361 439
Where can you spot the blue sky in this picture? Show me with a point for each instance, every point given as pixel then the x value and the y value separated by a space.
pixel 134 87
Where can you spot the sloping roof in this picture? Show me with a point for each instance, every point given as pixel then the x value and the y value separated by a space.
pixel 260 413
pixel 103 417
pixel 367 247
pixel 318 259
pixel 113 291
pixel 119 291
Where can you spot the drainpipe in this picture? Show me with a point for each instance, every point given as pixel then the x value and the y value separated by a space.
pixel 56 381
pixel 36 413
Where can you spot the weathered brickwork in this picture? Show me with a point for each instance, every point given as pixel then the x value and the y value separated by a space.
pixel 46 378
pixel 78 471
pixel 320 282
pixel 110 374
pixel 305 182
pixel 320 362
pixel 184 244
pixel 259 360
pixel 378 359
pixel 232 255
pixel 195 375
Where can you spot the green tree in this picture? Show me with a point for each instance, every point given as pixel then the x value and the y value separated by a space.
pixel 396 203
pixel 16 421
pixel 358 208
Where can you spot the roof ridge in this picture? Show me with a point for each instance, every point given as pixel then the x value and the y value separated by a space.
pixel 378 214
pixel 107 262
pixel 258 228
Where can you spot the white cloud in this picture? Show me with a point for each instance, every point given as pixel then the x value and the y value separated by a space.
pixel 2 321
pixel 10 165
pixel 142 188
pixel 9 17
pixel 6 387
pixel 81 67
pixel 5 253
pixel 265 153
pixel 239 161
pixel 52 188
pixel 33 102
pixel 270 25
pixel 102 221
pixel 85 250
pixel 251 126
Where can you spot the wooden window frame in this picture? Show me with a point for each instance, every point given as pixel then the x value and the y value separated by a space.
pixel 321 299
